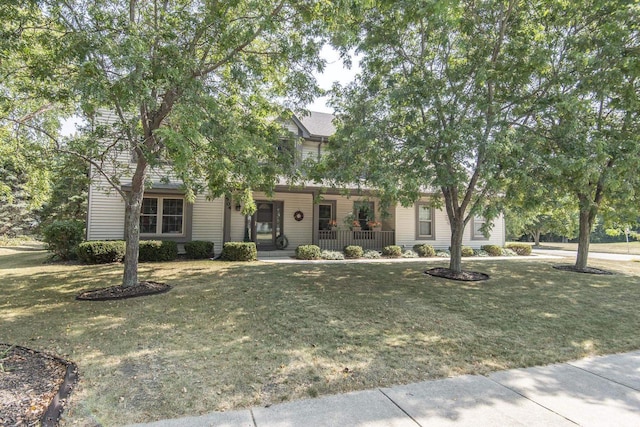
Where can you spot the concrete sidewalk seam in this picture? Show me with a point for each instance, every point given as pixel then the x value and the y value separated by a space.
pixel 400 407
pixel 595 374
pixel 530 400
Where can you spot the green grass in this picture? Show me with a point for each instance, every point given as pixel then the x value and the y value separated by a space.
pixel 233 335
pixel 633 248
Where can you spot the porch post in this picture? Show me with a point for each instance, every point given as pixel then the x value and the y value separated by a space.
pixel 226 222
pixel 314 222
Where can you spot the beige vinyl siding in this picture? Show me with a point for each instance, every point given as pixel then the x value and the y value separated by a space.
pixel 208 219
pixel 310 150
pixel 236 224
pixel 123 160
pixel 105 213
pixel 291 127
pixel 406 230
pixel 105 216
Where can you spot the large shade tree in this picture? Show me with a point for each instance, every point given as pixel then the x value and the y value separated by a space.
pixel 583 137
pixel 432 108
pixel 196 84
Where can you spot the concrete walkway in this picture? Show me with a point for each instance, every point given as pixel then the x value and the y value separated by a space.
pixel 600 391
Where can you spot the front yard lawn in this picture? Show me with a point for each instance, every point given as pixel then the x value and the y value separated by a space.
pixel 233 335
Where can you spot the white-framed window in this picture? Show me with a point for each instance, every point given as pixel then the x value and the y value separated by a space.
pixel 477 223
pixel 425 221
pixel 162 216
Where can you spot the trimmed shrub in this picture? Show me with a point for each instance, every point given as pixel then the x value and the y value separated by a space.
pixel 371 254
pixel 157 250
pixel 424 250
pixel 101 251
pixel 409 254
pixel 492 250
pixel 63 237
pixel 332 255
pixel 239 251
pixel 353 251
pixel 308 252
pixel 467 251
pixel 522 249
pixel 443 254
pixel 480 253
pixel 392 251
pixel 199 249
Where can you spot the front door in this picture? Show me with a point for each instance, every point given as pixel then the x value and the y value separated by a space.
pixel 266 224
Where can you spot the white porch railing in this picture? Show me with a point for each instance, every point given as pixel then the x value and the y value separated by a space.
pixel 336 240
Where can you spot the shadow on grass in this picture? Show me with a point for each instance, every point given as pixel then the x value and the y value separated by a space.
pixel 232 335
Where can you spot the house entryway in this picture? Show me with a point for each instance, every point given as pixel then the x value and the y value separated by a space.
pixel 267 224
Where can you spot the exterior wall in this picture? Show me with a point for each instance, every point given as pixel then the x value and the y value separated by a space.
pixel 310 150
pixel 406 230
pixel 105 212
pixel 208 220
pixel 106 209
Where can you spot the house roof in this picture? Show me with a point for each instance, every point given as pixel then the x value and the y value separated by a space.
pixel 316 124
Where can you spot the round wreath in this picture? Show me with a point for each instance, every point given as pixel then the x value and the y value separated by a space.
pixel 298 216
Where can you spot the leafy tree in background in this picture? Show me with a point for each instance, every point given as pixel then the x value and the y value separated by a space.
pixel 584 134
pixel 432 109
pixel 193 83
pixel 69 191
pixel 534 222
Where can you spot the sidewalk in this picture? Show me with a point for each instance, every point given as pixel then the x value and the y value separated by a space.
pixel 598 391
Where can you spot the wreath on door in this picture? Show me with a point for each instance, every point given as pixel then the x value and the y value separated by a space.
pixel 298 216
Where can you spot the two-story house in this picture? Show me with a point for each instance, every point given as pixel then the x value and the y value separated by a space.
pixel 293 215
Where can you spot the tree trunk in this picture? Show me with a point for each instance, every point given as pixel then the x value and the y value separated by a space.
pixel 457 232
pixel 536 238
pixel 132 225
pixel 587 217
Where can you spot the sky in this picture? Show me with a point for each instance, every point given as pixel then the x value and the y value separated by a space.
pixel 334 71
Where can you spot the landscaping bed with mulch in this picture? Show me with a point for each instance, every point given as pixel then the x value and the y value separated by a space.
pixel 587 270
pixel 121 292
pixel 463 276
pixel 33 386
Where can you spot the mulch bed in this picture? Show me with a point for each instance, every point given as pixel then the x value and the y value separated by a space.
pixel 34 386
pixel 121 292
pixel 464 276
pixel 587 270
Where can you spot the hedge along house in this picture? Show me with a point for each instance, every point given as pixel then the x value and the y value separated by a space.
pixel 294 215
